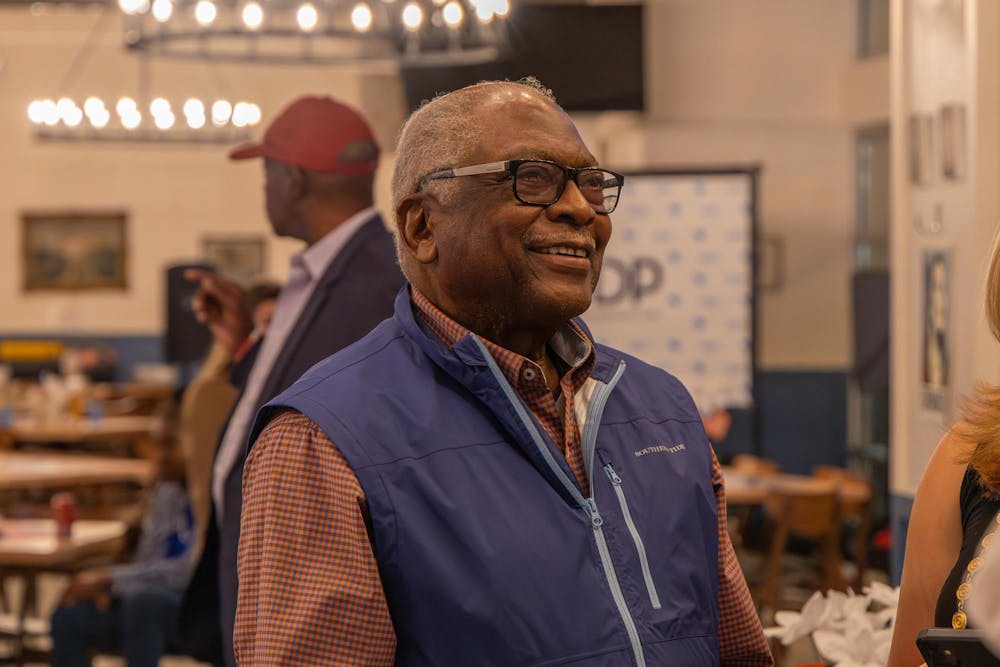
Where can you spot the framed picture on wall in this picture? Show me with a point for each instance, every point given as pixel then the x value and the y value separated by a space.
pixel 239 258
pixel 921 145
pixel 935 367
pixel 74 250
pixel 954 161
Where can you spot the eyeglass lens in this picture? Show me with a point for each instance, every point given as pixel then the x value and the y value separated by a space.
pixel 542 183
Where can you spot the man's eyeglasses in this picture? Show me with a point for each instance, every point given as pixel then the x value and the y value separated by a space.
pixel 542 182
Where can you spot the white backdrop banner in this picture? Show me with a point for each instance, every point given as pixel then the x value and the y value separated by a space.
pixel 676 289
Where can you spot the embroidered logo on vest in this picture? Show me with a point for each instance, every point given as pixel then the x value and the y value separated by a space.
pixel 661 449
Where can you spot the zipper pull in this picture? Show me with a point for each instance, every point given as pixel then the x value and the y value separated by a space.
pixel 595 516
pixel 612 475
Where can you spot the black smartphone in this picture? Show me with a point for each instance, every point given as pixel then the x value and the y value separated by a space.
pixel 944 647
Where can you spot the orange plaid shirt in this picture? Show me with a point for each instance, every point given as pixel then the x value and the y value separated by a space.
pixel 310 592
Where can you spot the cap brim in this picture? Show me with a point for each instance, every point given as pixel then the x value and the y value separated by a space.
pixel 247 151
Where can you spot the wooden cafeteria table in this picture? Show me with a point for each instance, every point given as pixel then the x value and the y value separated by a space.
pixel 744 489
pixel 33 543
pixel 83 429
pixel 36 470
pixel 30 546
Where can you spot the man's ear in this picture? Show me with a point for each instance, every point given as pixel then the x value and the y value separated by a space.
pixel 297 182
pixel 414 228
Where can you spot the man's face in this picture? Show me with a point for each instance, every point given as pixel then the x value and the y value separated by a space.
pixel 516 261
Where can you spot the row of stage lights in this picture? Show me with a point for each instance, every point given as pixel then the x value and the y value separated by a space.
pixel 307 15
pixel 51 113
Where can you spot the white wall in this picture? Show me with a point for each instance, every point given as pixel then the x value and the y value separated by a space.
pixel 761 82
pixel 729 82
pixel 174 194
pixel 944 52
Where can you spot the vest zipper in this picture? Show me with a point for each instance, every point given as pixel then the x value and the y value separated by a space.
pixel 594 411
pixel 647 575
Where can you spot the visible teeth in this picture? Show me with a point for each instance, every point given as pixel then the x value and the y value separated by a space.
pixel 561 250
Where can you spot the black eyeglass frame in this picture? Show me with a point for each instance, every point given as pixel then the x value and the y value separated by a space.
pixel 511 167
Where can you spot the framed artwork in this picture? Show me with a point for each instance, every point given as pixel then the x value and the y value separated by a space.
pixel 74 250
pixel 239 258
pixel 953 145
pixel 921 140
pixel 935 364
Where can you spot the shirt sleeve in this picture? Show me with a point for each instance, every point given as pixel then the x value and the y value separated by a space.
pixel 310 592
pixel 162 558
pixel 741 637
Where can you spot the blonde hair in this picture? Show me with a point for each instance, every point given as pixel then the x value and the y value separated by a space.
pixel 981 412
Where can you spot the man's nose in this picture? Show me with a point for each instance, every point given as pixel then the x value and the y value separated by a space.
pixel 572 207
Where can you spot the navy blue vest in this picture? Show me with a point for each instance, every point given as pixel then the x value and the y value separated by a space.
pixel 488 551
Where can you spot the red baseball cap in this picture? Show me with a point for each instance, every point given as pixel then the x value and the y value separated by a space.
pixel 318 134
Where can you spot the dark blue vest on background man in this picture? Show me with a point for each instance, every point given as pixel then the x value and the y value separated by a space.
pixel 488 551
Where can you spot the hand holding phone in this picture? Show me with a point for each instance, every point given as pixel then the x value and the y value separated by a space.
pixel 219 305
pixel 944 647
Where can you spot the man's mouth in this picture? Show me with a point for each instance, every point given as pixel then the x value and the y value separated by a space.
pixel 564 250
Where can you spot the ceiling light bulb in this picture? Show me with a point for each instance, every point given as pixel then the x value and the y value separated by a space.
pixel 100 119
pixel 221 110
pixel 164 121
pixel 124 105
pixel 93 106
pixel 36 112
pixel 194 107
pixel 131 119
pixel 204 12
pixel 74 117
pixel 196 121
pixel 361 17
pixel 162 9
pixel 501 7
pixel 50 112
pixel 484 11
pixel 241 114
pixel 132 7
pixel 65 106
pixel 413 16
pixel 307 16
pixel 254 114
pixel 453 13
pixel 253 15
pixel 159 107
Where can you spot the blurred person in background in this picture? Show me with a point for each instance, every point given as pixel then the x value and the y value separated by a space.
pixel 207 401
pixel 956 513
pixel 319 158
pixel 132 608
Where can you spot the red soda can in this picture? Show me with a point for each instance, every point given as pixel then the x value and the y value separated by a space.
pixel 63 513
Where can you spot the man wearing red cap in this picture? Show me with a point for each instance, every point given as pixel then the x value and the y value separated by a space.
pixel 319 162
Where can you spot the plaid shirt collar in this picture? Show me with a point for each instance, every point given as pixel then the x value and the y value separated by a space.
pixel 573 347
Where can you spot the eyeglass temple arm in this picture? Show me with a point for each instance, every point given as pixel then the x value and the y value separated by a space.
pixel 474 170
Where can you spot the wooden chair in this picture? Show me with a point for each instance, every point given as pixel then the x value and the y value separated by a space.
pixel 749 464
pixel 855 493
pixel 811 511
pixel 741 516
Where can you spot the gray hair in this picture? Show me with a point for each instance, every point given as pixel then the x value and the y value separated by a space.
pixel 440 134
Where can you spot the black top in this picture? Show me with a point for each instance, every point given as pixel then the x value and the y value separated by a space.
pixel 978 511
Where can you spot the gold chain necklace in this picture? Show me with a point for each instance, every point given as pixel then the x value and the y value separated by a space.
pixel 959 619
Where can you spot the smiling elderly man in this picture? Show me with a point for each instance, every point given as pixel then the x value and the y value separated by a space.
pixel 477 482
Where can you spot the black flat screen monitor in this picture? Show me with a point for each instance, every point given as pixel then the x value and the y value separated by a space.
pixel 590 56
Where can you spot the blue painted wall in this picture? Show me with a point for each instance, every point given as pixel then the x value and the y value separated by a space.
pixel 802 420
pixel 131 350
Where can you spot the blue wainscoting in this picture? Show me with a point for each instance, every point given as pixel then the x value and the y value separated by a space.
pixel 130 350
pixel 802 420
